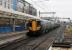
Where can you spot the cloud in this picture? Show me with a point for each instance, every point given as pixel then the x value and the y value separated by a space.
pixel 63 8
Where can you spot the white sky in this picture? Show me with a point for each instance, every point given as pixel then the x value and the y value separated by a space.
pixel 63 8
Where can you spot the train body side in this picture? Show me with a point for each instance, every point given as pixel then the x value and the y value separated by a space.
pixel 37 28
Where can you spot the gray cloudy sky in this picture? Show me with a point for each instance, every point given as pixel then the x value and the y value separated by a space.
pixel 63 8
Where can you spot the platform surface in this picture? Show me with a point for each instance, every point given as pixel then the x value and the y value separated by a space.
pixel 9 37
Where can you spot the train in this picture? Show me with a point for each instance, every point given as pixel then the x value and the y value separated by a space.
pixel 39 27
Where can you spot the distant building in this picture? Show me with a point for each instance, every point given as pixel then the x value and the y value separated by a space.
pixel 9 4
pixel 18 5
pixel 5 3
pixel 14 4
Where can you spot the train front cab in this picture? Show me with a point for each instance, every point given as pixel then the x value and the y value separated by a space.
pixel 34 28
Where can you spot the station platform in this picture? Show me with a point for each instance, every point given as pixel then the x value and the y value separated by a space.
pixel 6 38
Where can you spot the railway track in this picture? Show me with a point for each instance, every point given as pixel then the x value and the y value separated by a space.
pixel 15 44
pixel 36 43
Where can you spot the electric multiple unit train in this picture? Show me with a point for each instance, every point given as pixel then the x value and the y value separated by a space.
pixel 38 27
